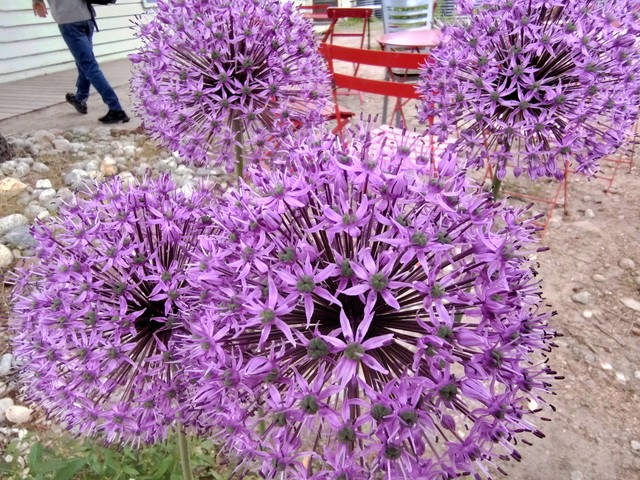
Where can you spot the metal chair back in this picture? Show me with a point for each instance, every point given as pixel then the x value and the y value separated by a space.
pixel 407 14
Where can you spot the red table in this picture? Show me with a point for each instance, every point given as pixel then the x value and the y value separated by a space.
pixel 417 40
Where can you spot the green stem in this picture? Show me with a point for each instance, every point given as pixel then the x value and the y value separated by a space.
pixel 495 185
pixel 185 455
pixel 236 127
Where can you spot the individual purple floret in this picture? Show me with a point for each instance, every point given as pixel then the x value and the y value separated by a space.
pixel 95 316
pixel 212 75
pixel 367 320
pixel 533 83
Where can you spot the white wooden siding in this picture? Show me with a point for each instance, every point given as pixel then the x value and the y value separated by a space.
pixel 31 46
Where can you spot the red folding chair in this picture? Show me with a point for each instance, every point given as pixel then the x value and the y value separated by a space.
pixel 315 12
pixel 400 60
pixel 623 156
pixel 338 13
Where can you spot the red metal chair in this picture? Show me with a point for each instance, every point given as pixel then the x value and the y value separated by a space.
pixel 400 60
pixel 338 13
pixel 315 12
pixel 623 156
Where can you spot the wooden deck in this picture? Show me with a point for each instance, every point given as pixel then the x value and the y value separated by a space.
pixel 36 93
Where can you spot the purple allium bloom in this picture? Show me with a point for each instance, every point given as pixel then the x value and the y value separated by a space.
pixel 204 65
pixel 533 83
pixel 404 347
pixel 96 315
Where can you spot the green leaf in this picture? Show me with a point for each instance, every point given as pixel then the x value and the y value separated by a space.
pixel 35 454
pixel 73 467
pixel 167 464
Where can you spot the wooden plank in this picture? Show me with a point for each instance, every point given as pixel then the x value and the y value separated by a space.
pixel 47 90
pixel 69 66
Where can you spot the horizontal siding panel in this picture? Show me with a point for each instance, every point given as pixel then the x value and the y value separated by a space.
pixel 36 46
pixel 26 17
pixel 49 30
pixel 62 56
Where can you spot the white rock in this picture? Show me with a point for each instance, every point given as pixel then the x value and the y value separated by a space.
pixel 65 194
pixel 34 210
pixel 5 403
pixel 62 145
pixel 577 475
pixel 581 297
pixel 40 167
pixel 108 167
pixel 598 278
pixel 81 131
pixel 636 374
pixel 606 366
pixel 127 178
pixel 18 414
pixel 6 257
pixel 44 183
pixel 46 195
pixel 129 151
pixel 44 138
pixel 10 187
pixel 12 221
pixel 589 213
pixel 620 377
pixel 635 445
pixel 587 314
pixel 631 303
pixel 21 170
pixel 626 264
pixel 5 364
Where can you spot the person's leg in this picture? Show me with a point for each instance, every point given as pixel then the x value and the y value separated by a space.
pixel 83 85
pixel 78 37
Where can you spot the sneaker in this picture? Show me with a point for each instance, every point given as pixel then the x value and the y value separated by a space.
pixel 81 107
pixel 115 116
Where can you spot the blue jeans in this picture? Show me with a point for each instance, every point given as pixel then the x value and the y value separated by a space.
pixel 78 37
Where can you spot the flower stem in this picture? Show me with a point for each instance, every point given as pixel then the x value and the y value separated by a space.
pixel 495 185
pixel 236 127
pixel 185 455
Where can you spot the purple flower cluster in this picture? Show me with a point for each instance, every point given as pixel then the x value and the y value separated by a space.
pixel 365 319
pixel 97 316
pixel 209 72
pixel 532 83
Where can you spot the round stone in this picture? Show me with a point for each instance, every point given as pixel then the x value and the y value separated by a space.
pixel 10 187
pixel 5 364
pixel 44 183
pixel 581 297
pixel 589 213
pixel 40 167
pixel 5 403
pixel 598 278
pixel 6 257
pixel 587 314
pixel 46 195
pixel 626 264
pixel 577 475
pixel 19 237
pixel 631 303
pixel 635 445
pixel 108 167
pixel 18 414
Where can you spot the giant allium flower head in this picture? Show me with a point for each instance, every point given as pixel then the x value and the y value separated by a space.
pixel 96 315
pixel 367 320
pixel 209 68
pixel 533 83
